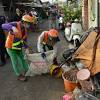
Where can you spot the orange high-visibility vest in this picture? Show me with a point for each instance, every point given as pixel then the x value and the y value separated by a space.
pixel 10 39
pixel 45 40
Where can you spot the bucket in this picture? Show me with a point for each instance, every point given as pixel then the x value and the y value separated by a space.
pixel 83 77
pixel 56 71
pixel 68 84
pixel 83 74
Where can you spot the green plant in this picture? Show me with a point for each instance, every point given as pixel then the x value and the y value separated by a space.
pixel 70 13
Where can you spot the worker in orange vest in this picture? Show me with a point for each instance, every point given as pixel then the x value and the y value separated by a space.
pixel 48 39
pixel 16 39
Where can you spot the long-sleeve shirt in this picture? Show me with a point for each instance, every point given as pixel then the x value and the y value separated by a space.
pixel 61 20
pixel 8 26
pixel 40 45
pixel 40 42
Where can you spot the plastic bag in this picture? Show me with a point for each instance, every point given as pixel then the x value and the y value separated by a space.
pixel 39 65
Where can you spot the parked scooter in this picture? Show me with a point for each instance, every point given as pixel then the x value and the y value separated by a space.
pixel 73 32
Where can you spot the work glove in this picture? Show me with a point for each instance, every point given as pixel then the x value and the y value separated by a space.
pixel 43 55
pixel 55 61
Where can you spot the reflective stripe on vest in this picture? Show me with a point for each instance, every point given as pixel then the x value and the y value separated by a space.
pixel 17 43
pixel 16 48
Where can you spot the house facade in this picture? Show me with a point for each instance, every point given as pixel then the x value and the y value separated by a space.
pixel 91 13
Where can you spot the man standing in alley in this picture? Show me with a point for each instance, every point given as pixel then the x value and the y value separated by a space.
pixel 18 15
pixel 52 18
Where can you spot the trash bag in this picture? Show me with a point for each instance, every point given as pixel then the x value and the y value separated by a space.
pixel 38 65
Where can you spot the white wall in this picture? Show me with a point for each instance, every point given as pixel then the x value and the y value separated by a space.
pixel 92 13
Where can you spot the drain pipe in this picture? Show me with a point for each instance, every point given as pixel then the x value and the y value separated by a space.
pixel 98 19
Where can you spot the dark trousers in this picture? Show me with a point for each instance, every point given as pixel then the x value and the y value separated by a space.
pixel 48 46
pixel 3 54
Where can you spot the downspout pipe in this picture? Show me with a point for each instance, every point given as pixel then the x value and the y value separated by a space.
pixel 98 19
